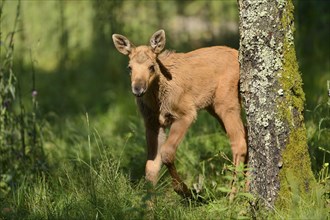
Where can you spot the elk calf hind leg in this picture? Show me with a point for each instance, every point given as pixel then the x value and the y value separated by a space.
pixel 239 151
pixel 233 124
pixel 235 130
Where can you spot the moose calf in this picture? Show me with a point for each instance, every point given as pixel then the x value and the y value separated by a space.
pixel 171 87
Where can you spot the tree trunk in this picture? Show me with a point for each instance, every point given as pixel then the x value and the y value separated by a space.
pixel 273 98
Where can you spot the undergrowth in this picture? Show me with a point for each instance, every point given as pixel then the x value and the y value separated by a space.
pixel 21 140
pixel 94 184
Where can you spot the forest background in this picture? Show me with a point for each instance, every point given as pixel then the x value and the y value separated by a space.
pixel 76 125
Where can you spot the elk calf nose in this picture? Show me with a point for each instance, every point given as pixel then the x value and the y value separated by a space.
pixel 138 90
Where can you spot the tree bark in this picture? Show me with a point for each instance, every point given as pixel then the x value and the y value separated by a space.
pixel 273 98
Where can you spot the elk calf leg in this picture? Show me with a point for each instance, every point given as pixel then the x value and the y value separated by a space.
pixel 235 130
pixel 152 170
pixel 179 186
pixel 177 131
pixel 155 137
pixel 236 133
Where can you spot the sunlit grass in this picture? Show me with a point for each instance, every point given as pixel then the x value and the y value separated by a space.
pixel 94 181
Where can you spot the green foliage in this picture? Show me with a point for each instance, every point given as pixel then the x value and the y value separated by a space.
pixel 21 151
pixel 95 163
pixel 92 181
pixel 318 133
pixel 312 48
pixel 93 185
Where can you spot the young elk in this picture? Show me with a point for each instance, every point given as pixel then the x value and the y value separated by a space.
pixel 171 87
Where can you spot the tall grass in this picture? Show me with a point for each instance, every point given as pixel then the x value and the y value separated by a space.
pixel 21 147
pixel 92 178
pixel 95 184
pixel 78 189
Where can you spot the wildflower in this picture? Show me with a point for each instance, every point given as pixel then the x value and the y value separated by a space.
pixel 34 93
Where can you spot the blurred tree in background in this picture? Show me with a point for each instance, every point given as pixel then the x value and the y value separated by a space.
pixel 71 43
pixel 312 20
pixel 72 46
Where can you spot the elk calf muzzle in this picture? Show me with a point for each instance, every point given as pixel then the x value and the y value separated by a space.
pixel 138 89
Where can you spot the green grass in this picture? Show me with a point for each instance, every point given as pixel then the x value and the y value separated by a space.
pixel 97 173
pixel 92 181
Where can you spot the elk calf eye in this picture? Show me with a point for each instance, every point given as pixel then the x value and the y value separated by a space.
pixel 152 68
pixel 129 70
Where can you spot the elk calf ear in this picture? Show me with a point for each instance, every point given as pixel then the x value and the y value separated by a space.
pixel 157 41
pixel 122 44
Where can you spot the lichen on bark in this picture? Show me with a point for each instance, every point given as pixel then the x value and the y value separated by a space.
pixel 273 98
pixel 260 59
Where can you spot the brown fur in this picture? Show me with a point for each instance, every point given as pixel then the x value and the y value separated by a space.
pixel 171 87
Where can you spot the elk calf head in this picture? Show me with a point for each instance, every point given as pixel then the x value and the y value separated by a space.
pixel 143 63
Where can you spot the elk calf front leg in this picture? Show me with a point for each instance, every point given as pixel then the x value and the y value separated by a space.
pixel 155 138
pixel 168 150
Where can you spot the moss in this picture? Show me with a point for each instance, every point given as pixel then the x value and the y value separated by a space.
pixel 296 175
